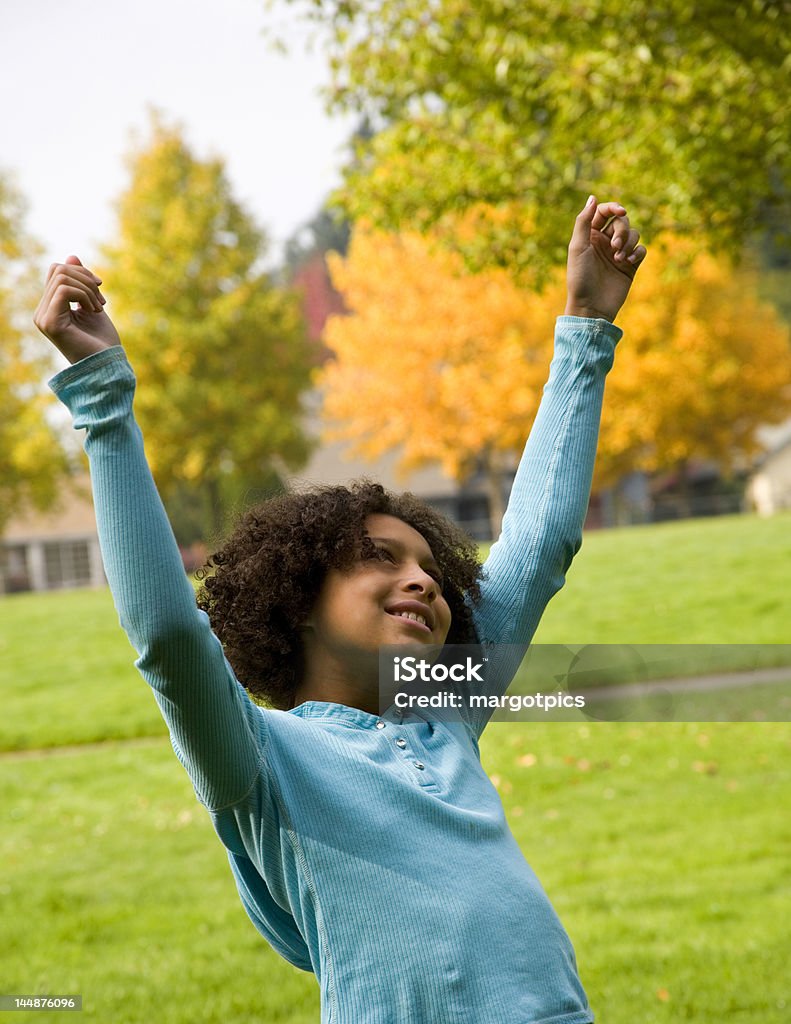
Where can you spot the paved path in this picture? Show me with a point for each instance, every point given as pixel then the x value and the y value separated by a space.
pixel 724 681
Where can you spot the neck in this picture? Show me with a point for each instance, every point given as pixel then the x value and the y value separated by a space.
pixel 351 681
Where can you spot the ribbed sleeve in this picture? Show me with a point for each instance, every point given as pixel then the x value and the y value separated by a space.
pixel 542 527
pixel 217 731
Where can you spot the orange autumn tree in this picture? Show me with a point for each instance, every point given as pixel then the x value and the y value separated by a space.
pixel 703 364
pixel 443 364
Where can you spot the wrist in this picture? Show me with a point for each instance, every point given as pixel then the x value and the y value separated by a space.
pixel 75 353
pixel 587 312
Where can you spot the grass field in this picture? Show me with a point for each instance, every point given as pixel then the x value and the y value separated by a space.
pixel 664 847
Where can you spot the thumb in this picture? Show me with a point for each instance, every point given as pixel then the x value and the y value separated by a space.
pixel 582 225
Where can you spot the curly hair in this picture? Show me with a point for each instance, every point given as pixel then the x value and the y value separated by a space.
pixel 266 577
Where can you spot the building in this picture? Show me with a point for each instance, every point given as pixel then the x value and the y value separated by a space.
pixel 466 504
pixel 53 550
pixel 769 487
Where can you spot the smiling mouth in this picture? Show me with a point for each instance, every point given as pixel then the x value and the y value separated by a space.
pixel 413 619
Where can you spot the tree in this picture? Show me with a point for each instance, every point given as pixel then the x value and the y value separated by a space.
pixel 445 365
pixel 33 463
pixel 448 366
pixel 220 352
pixel 703 365
pixel 676 109
pixel 324 232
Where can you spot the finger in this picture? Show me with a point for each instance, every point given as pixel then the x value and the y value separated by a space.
pixel 624 239
pixel 60 272
pixel 84 292
pixel 605 211
pixel 72 262
pixel 581 235
pixel 77 262
pixel 628 244
pixel 86 300
pixel 73 291
pixel 637 256
pixel 53 306
pixel 620 233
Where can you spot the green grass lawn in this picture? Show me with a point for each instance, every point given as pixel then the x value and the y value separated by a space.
pixel 664 846
pixel 699 581
pixel 68 671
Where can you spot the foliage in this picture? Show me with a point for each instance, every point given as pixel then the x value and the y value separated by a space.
pixel 324 232
pixel 445 365
pixel 676 109
pixel 220 352
pixel 33 464
pixel 448 366
pixel 703 364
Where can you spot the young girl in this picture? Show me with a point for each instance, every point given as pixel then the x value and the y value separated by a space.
pixel 369 849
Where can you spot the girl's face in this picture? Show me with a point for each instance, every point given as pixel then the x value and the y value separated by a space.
pixel 366 606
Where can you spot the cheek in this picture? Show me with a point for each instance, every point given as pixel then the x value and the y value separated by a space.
pixel 349 603
pixel 445 616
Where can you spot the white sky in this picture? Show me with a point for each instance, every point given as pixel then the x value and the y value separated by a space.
pixel 76 79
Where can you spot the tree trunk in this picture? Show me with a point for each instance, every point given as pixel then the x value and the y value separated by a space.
pixel 684 493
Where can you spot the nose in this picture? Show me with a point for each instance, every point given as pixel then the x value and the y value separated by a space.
pixel 419 581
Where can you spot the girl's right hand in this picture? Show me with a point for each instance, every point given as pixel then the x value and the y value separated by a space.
pixel 80 332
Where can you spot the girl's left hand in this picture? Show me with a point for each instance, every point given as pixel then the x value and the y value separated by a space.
pixel 602 261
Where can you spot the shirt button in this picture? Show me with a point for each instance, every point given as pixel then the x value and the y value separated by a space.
pixel 420 765
pixel 401 743
pixel 380 725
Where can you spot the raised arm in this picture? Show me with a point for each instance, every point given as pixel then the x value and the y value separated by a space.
pixel 542 527
pixel 217 731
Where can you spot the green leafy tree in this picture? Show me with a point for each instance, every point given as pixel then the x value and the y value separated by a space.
pixel 219 351
pixel 33 462
pixel 325 232
pixel 679 110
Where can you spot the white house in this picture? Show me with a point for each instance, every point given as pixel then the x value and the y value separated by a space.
pixel 53 550
pixel 769 488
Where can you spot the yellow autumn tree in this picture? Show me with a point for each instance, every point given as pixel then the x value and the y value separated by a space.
pixel 445 365
pixel 34 466
pixel 219 349
pixel 702 366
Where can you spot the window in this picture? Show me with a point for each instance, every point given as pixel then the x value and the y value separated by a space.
pixel 14 573
pixel 67 564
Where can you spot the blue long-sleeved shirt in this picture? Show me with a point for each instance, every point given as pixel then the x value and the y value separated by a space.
pixel 370 850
